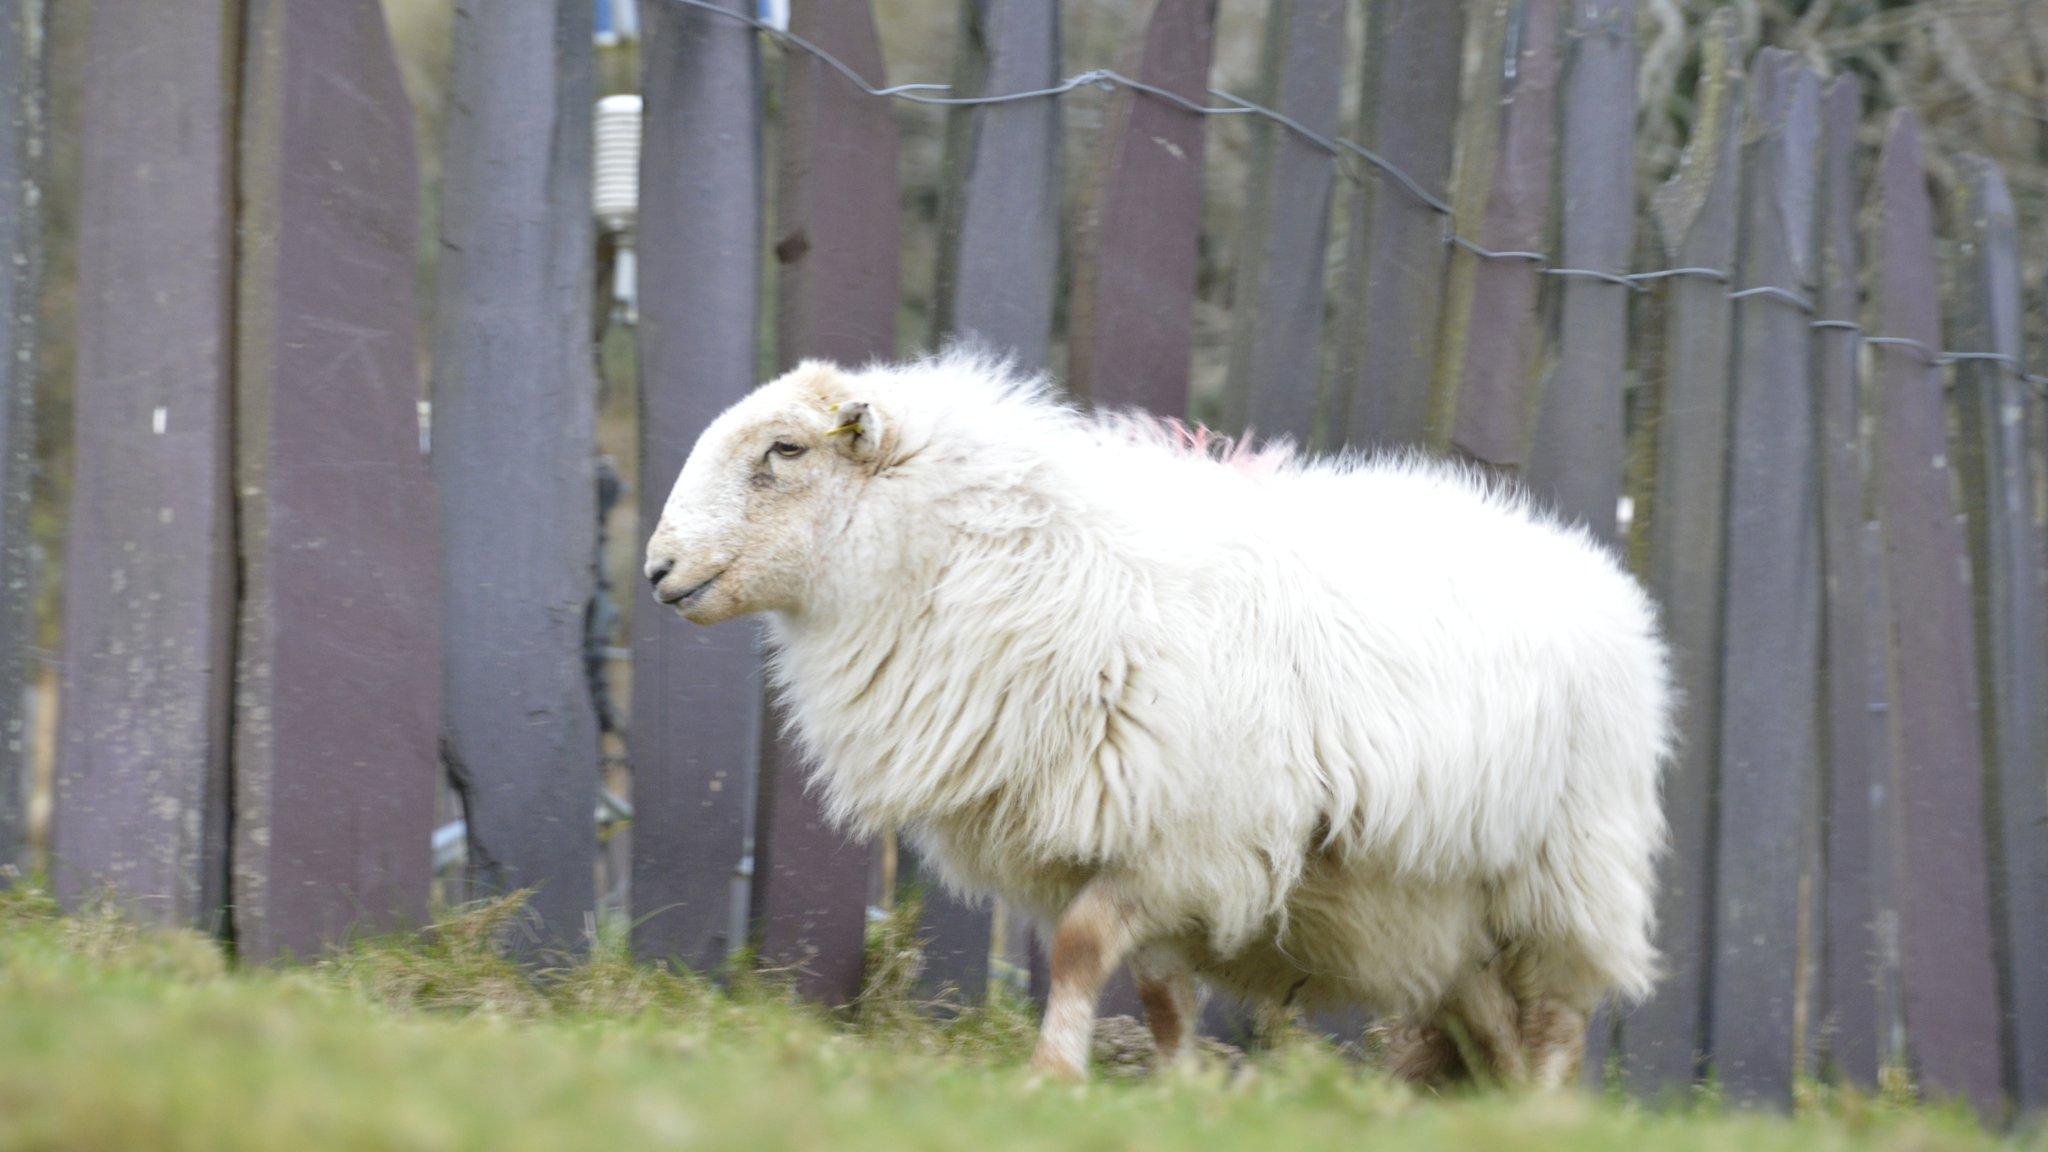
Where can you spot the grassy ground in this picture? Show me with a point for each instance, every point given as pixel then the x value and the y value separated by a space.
pixel 113 1037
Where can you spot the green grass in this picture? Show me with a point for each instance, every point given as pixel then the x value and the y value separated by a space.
pixel 116 1037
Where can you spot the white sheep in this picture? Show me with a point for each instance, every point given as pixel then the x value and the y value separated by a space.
pixel 1361 730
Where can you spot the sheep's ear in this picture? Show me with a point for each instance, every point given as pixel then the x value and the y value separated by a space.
pixel 856 430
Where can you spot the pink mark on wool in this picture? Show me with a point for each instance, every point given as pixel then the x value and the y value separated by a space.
pixel 1237 453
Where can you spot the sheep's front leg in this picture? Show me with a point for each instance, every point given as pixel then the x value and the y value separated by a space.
pixel 1094 935
pixel 1172 1005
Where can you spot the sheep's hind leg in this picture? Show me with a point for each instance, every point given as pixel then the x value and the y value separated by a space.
pixel 1095 933
pixel 1172 1005
pixel 1421 1053
pixel 1555 1033
pixel 1491 1020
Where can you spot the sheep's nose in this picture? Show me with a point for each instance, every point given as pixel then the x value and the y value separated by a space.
pixel 658 570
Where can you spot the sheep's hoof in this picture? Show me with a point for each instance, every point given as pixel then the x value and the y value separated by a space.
pixel 1048 1069
pixel 1184 1064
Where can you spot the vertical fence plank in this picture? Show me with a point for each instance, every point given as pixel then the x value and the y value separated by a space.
pixel 696 691
pixel 1769 747
pixel 1394 279
pixel 997 283
pixel 1853 975
pixel 1576 459
pixel 836 242
pixel 2032 1092
pixel 1131 327
pixel 1503 201
pixel 1277 293
pixel 2005 557
pixel 21 146
pixel 141 788
pixel 1947 982
pixel 337 679
pixel 1695 213
pixel 1881 690
pixel 999 257
pixel 514 407
pixel 956 935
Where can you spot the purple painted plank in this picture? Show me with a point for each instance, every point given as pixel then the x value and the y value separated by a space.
pixel 810 888
pixel 337 673
pixel 1576 459
pixel 696 691
pixel 21 165
pixel 1414 53
pixel 999 263
pixel 514 417
pixel 1853 977
pixel 2005 559
pixel 1131 327
pixel 1886 858
pixel 1277 294
pixel 142 776
pixel 837 300
pixel 1663 1038
pixel 956 935
pixel 1768 785
pixel 2037 437
pixel 836 220
pixel 1948 984
pixel 1492 337
pixel 998 278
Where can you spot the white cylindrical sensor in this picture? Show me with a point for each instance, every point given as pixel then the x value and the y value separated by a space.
pixel 616 196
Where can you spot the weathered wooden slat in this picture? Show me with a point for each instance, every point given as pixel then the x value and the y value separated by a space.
pixel 2037 438
pixel 999 257
pixel 810 884
pixel 1277 294
pixel 1503 201
pixel 514 413
pixel 337 666
pixel 1881 690
pixel 1394 281
pixel 1662 1038
pixel 1947 982
pixel 2012 652
pixel 1770 738
pixel 1132 319
pixel 836 243
pixel 696 691
pixel 1576 460
pixel 1852 974
pixel 997 284
pixel 21 149
pixel 142 776
pixel 957 935
pixel 836 218
pixel 1393 290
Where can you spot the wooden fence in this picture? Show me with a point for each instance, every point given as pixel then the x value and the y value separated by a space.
pixel 1834 487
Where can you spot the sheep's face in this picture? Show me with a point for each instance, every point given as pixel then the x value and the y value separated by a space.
pixel 750 511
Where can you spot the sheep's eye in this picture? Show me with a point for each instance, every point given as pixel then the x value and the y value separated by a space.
pixel 786 450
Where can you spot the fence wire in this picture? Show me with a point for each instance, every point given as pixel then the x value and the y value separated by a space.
pixel 1345 152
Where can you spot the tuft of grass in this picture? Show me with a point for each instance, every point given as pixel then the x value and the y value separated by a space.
pixel 115 1036
pixel 457 963
pixel 894 1006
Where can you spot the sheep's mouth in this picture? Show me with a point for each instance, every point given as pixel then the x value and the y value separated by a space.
pixel 689 596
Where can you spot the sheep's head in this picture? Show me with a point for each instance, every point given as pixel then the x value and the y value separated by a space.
pixel 755 500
